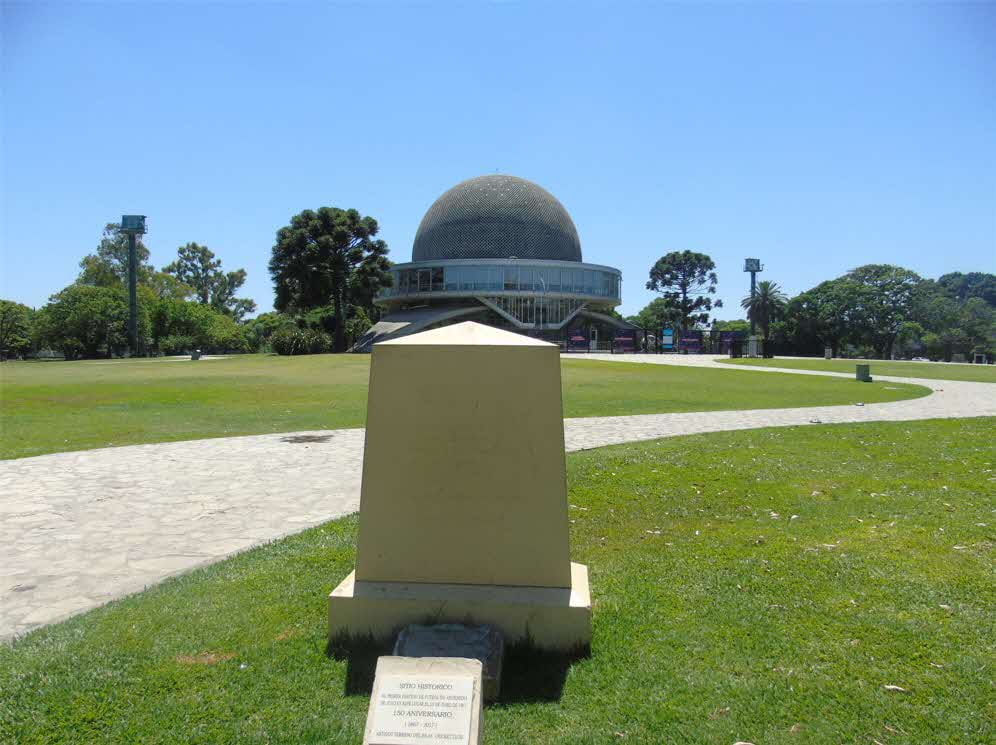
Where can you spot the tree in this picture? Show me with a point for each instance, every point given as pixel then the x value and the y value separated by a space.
pixel 686 280
pixel 656 315
pixel 885 295
pixel 734 325
pixel 223 297
pixel 166 286
pixel 15 329
pixel 328 255
pixel 108 267
pixel 85 321
pixel 197 267
pixel 260 329
pixel 978 322
pixel 963 287
pixel 178 327
pixel 767 304
pixel 358 325
pixel 821 317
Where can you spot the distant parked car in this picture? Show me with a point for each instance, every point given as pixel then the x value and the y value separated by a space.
pixel 920 359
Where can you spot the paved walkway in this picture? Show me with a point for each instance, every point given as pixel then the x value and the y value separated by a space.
pixel 79 529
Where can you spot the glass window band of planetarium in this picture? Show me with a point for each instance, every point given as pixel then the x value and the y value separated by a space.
pixel 519 276
pixel 529 311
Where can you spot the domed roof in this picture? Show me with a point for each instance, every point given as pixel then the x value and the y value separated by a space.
pixel 496 217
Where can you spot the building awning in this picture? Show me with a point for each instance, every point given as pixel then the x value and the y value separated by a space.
pixel 411 322
pixel 619 323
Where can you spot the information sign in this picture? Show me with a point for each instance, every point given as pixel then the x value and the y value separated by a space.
pixel 423 710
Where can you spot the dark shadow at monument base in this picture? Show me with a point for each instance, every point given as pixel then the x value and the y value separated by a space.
pixel 360 655
pixel 528 674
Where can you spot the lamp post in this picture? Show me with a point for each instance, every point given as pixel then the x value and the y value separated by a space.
pixel 754 267
pixel 133 225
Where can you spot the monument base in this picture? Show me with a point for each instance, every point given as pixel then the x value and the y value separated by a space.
pixel 554 618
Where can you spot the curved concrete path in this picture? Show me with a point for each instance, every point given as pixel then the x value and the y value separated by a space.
pixel 79 529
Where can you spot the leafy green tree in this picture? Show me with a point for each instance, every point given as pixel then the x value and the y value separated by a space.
pixel 15 329
pixel 821 317
pixel 734 325
pixel 327 256
pixel 108 267
pixel 223 334
pixel 224 300
pixel 767 304
pixel 166 286
pixel 658 314
pixel 686 281
pixel 939 314
pixel 86 321
pixel 886 296
pixel 197 267
pixel 978 322
pixel 179 326
pixel 259 330
pixel 963 287
pixel 358 325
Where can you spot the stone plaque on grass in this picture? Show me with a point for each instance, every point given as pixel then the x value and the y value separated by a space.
pixel 425 701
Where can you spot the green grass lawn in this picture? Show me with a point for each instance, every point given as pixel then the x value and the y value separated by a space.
pixel 50 407
pixel 899 368
pixel 762 585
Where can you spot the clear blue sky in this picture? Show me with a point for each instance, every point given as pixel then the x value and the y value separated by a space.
pixel 817 138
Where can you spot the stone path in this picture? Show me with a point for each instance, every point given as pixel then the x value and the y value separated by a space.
pixel 79 529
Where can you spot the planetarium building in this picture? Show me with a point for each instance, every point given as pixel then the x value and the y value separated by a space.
pixel 503 251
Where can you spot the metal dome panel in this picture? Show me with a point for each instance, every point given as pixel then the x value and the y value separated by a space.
pixel 497 217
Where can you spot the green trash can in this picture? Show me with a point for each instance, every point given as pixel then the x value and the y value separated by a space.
pixel 862 373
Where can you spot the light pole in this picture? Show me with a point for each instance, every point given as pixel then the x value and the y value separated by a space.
pixel 754 267
pixel 133 225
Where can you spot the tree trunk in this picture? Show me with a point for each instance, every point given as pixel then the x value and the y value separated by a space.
pixel 339 345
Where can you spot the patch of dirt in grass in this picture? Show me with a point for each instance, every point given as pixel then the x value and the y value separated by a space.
pixel 287 634
pixel 205 658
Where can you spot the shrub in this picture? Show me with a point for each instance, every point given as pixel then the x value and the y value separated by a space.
pixel 179 344
pixel 289 341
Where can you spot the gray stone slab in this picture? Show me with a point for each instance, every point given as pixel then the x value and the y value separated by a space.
pixel 481 643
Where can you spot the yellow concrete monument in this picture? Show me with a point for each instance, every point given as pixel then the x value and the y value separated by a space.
pixel 463 507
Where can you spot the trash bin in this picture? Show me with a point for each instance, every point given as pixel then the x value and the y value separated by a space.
pixel 195 355
pixel 863 373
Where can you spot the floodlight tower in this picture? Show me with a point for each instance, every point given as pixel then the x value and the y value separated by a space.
pixel 133 225
pixel 755 267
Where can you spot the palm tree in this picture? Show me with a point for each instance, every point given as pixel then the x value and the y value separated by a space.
pixel 766 305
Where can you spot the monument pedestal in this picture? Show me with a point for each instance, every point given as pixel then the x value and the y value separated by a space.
pixel 463 507
pixel 550 617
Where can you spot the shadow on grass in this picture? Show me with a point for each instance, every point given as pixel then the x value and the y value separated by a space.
pixel 360 654
pixel 528 675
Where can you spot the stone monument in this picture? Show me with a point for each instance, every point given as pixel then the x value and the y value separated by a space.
pixel 463 506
